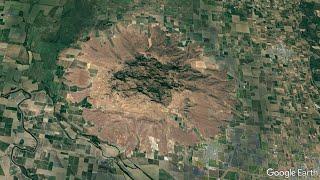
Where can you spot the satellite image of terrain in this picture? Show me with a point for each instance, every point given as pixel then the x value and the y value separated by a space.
pixel 159 89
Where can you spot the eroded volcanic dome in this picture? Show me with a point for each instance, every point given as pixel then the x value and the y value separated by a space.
pixel 148 94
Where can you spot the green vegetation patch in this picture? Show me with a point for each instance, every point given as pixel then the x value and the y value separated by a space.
pixel 1 171
pixel 4 146
pixel 311 23
pixel 232 176
pixel 164 175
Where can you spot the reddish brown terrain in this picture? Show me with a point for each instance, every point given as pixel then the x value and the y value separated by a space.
pixel 126 112
pixel 77 77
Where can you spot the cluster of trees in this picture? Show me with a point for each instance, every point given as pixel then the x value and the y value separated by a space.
pixel 50 34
